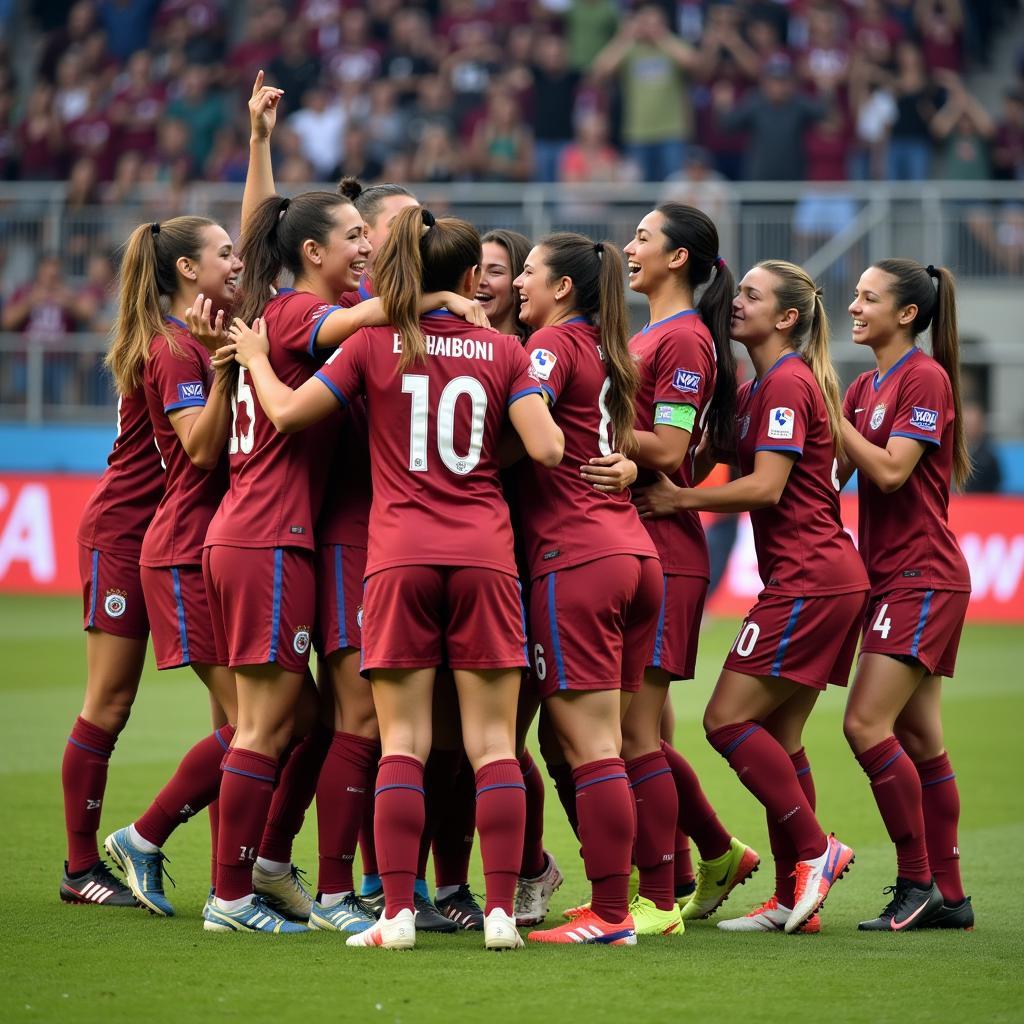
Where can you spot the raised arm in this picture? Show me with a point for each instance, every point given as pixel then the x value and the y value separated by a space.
pixel 259 178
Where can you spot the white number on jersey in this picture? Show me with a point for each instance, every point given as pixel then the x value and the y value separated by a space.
pixel 242 396
pixel 605 437
pixel 540 666
pixel 835 474
pixel 883 623
pixel 744 643
pixel 418 385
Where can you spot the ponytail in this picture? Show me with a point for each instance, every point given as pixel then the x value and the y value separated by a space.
pixel 148 275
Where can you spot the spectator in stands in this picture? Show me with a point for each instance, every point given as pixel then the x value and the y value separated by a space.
pixel 502 146
pixel 127 24
pixel 590 158
pixel 875 33
pixel 81 22
pixel 987 477
pixel 554 100
pixel 940 25
pixel 409 55
pixel 228 159
pixel 201 108
pixel 196 26
pixel 1008 151
pixel 138 106
pixel 357 160
pixel 355 61
pixel 590 26
pixel 320 125
pixel 95 304
pixel 40 137
pixel 653 66
pixel 72 95
pixel 91 134
pixel 385 124
pixel 171 161
pixel 8 138
pixel 824 63
pixel 433 107
pixel 965 130
pixel 469 71
pixel 295 69
pixel 260 44
pixel 871 98
pixel 434 159
pixel 910 138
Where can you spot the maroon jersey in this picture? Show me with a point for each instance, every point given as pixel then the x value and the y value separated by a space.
pixel 345 516
pixel 116 516
pixel 361 294
pixel 179 380
pixel 433 440
pixel 276 481
pixel 904 537
pixel 802 548
pixel 677 364
pixel 565 521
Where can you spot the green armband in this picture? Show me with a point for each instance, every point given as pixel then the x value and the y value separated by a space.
pixel 671 415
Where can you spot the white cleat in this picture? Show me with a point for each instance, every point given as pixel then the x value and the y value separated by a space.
pixel 771 916
pixel 533 895
pixel 500 931
pixel 284 893
pixel 398 932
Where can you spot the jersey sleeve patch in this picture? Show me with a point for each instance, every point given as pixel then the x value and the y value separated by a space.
pixel 780 423
pixel 191 390
pixel 542 363
pixel 671 414
pixel 925 419
pixel 687 381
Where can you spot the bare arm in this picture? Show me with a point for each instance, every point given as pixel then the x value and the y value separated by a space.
pixel 608 61
pixel 610 473
pixel 662 449
pixel 541 436
pixel 887 468
pixel 259 179
pixel 204 432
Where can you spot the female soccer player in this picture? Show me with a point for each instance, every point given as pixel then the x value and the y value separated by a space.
pixel 504 254
pixel 904 434
pixel 596 580
pixel 432 589
pixel 688 384
pixel 802 632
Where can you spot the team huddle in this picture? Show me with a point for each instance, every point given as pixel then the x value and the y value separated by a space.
pixel 442 462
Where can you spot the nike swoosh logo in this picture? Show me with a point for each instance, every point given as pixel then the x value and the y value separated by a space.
pixel 899 927
pixel 723 879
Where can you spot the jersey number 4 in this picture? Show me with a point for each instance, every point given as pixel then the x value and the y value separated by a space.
pixel 242 396
pixel 418 385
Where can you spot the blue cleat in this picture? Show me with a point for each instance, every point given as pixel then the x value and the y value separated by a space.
pixel 253 917
pixel 144 872
pixel 349 915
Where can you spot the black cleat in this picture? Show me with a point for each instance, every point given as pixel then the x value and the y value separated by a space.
pixel 912 906
pixel 429 919
pixel 462 908
pixel 97 886
pixel 957 915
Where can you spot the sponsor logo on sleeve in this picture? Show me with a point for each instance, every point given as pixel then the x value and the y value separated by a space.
pixel 687 381
pixel 301 642
pixel 924 419
pixel 316 312
pixel 115 603
pixel 744 426
pixel 542 362
pixel 190 390
pixel 780 424
pixel 877 415
pixel 663 414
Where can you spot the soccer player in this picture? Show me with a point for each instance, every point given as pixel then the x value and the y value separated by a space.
pixel 688 385
pixel 440 572
pixel 802 632
pixel 904 435
pixel 504 254
pixel 596 581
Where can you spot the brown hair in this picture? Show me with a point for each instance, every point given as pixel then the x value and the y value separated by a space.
pixel 518 248
pixel 598 282
pixel 936 308
pixel 148 275
pixel 421 255
pixel 368 199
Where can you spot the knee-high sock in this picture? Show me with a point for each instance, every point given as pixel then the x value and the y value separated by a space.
pixel 84 779
pixel 533 838
pixel 213 810
pixel 764 767
pixel 683 866
pixel 782 849
pixel 397 827
pixel 501 819
pixel 657 810
pixel 697 818
pixel 941 803
pixel 607 832
pixel 246 789
pixel 294 793
pixel 367 849
pixel 341 793
pixel 562 776
pixel 453 839
pixel 439 774
pixel 193 786
pixel 896 788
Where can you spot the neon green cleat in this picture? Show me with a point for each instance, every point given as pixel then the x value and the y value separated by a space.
pixel 717 878
pixel 649 920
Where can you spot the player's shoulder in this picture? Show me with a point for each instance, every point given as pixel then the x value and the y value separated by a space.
pixel 923 368
pixel 290 306
pixel 860 382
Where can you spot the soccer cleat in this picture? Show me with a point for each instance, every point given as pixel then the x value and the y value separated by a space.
pixel 97 886
pixel 462 908
pixel 428 918
pixel 373 901
pixel 771 916
pixel 589 929
pixel 912 906
pixel 953 915
pixel 500 931
pixel 255 916
pixel 648 919
pixel 397 933
pixel 284 893
pixel 533 895
pixel 571 913
pixel 349 915
pixel 717 878
pixel 144 872
pixel 814 879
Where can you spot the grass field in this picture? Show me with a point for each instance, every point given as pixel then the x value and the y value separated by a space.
pixel 60 963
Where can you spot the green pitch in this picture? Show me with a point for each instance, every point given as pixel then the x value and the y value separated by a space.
pixel 60 963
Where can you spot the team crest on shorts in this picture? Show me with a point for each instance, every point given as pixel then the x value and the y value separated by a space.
pixel 744 426
pixel 115 603
pixel 300 644
pixel 877 415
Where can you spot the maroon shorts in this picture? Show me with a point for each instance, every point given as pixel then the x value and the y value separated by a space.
pixel 920 624
pixel 112 594
pixel 592 625
pixel 339 597
pixel 262 602
pixel 810 640
pixel 418 616
pixel 179 616
pixel 674 645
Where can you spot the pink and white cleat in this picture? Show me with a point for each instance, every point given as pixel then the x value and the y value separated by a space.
pixel 398 932
pixel 814 879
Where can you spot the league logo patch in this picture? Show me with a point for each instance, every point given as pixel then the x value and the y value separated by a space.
pixel 687 381
pixel 542 362
pixel 301 642
pixel 780 424
pixel 317 311
pixel 924 419
pixel 663 414
pixel 877 415
pixel 744 426
pixel 115 603
pixel 191 390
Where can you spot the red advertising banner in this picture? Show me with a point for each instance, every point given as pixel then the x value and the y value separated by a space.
pixel 39 518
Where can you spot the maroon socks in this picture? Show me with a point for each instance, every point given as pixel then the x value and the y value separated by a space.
pixel 562 776
pixel 456 825
pixel 657 810
pixel 501 820
pixel 782 849
pixel 534 861
pixel 941 804
pixel 697 818
pixel 246 789
pixel 84 778
pixel 685 880
pixel 397 826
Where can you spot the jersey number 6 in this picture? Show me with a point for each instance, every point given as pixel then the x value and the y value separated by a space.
pixel 242 396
